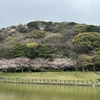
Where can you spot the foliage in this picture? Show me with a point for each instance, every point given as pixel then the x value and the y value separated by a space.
pixel 47 23
pixel 40 63
pixel 20 50
pixel 33 49
pixel 32 45
pixel 22 29
pixel 5 51
pixel 83 60
pixel 89 39
pixel 96 58
pixel 48 26
pixel 72 23
pixel 37 34
pixel 83 49
pixel 46 50
pixel 54 37
pixel 80 28
pixel 10 40
pixel 49 40
pixel 66 53
pixel 32 25
pixel 61 63
pixel 92 28
pixel 23 63
pixel 1 38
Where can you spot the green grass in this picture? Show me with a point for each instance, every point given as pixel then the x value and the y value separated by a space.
pixel 54 75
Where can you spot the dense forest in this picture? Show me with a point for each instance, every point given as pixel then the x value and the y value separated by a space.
pixel 41 45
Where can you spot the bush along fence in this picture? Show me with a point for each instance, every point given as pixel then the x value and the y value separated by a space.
pixel 51 81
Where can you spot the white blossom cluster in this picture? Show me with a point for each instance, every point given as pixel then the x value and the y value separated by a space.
pixel 37 63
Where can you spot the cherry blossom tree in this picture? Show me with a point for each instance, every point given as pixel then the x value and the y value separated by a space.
pixel 22 63
pixel 6 64
pixel 61 63
pixel 39 63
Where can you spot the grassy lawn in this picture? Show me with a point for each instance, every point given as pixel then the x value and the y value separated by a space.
pixel 54 75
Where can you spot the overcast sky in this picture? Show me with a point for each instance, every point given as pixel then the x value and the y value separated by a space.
pixel 14 12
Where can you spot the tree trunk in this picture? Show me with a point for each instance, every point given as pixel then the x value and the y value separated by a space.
pixel 83 69
pixel 5 70
pixel 76 70
pixel 94 67
pixel 22 70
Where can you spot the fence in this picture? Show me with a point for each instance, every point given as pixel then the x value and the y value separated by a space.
pixel 51 81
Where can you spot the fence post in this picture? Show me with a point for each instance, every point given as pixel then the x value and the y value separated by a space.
pixel 78 81
pixel 65 82
pixel 91 82
pixel 32 80
pixel 40 80
pixel 56 81
pixel 60 81
pixel 96 82
pixel 28 80
pixel 73 81
pixel 44 80
pixel 87 82
pixel 82 82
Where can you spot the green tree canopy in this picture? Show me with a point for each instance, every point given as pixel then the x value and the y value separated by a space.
pixel 22 29
pixel 96 58
pixel 80 27
pixel 37 34
pixel 45 50
pixel 20 50
pixel 54 37
pixel 32 45
pixel 32 25
pixel 89 39
pixel 83 60
pixel 92 28
pixel 11 40
pixel 33 49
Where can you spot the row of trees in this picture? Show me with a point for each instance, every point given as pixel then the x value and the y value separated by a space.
pixel 37 64
pixel 33 50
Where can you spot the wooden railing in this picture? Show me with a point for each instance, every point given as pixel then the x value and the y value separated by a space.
pixel 51 81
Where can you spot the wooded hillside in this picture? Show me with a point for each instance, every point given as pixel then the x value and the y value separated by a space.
pixel 52 40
